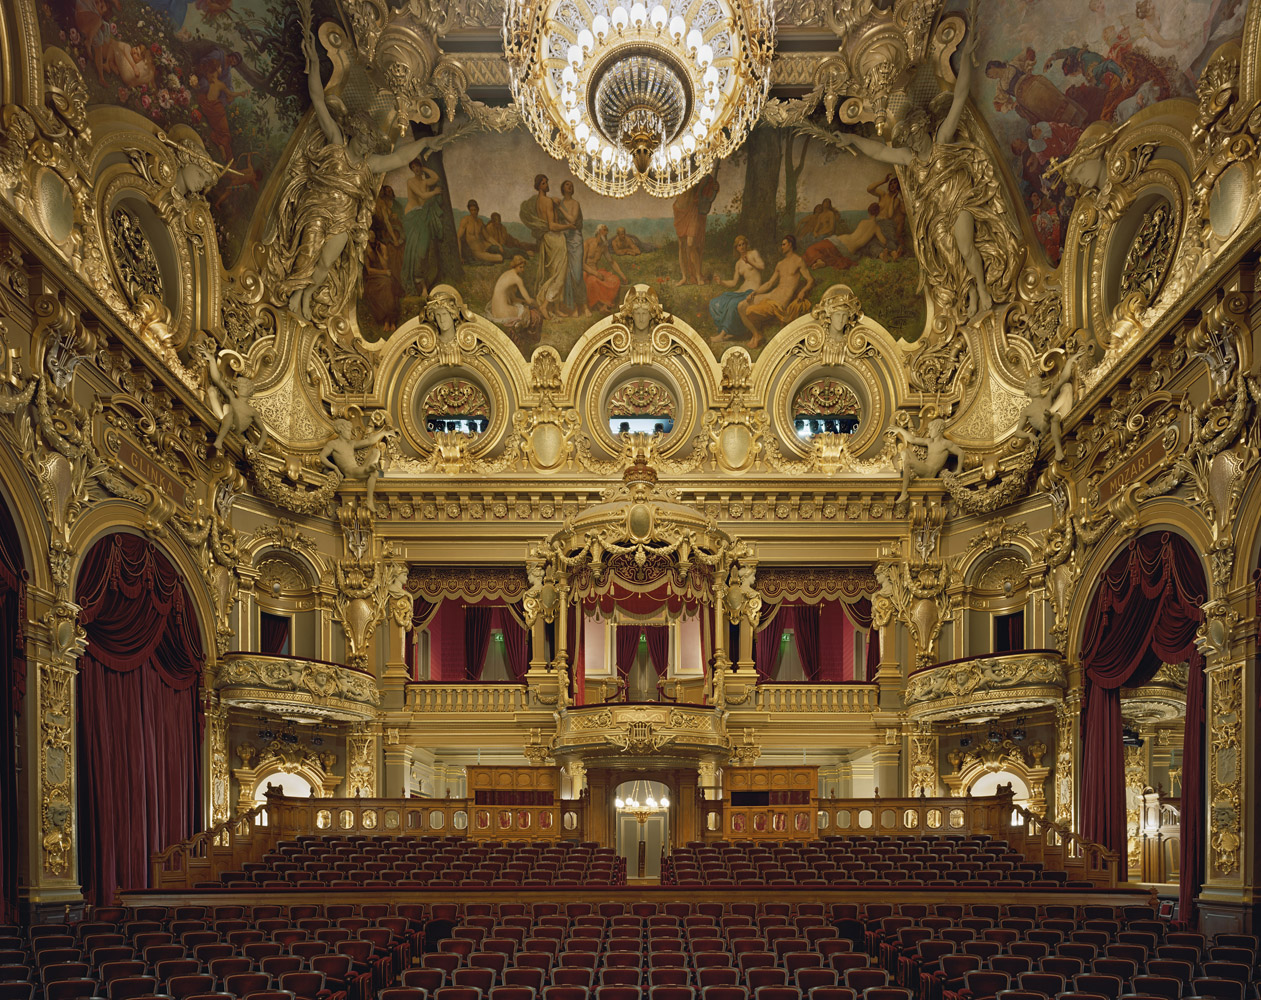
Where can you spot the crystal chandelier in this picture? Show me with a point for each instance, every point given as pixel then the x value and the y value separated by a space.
pixel 631 96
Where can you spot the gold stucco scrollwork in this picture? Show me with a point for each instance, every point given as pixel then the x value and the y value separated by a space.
pixel 923 761
pixel 361 766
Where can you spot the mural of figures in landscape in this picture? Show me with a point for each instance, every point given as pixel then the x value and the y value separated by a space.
pixel 1111 58
pixel 543 257
pixel 226 68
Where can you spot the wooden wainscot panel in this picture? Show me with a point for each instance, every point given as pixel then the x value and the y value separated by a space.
pixel 771 803
pixel 514 802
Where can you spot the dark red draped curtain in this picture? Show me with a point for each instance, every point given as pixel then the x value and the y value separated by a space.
pixel 12 691
pixel 806 632
pixel 273 635
pixel 516 640
pixel 139 714
pixel 477 628
pixel 860 614
pixel 766 647
pixel 627 642
pixel 1009 632
pixel 658 637
pixel 1145 612
pixel 422 615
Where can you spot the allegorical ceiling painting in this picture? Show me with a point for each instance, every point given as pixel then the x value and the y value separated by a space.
pixel 543 257
pixel 1049 70
pixel 543 260
pixel 230 69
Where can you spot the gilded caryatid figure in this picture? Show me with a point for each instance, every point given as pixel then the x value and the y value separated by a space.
pixel 965 240
pixel 325 209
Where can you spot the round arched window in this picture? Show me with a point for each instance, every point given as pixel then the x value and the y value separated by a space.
pixel 827 406
pixel 641 405
pixel 456 405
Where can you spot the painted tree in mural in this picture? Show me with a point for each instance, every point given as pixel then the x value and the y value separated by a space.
pixel 759 218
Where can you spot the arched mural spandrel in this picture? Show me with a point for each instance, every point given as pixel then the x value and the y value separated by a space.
pixel 1047 71
pixel 749 249
pixel 229 69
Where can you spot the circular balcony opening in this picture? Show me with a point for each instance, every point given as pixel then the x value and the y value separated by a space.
pixel 456 406
pixel 826 406
pixel 641 406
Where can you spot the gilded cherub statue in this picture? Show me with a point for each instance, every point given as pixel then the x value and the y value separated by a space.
pixel 938 449
pixel 1047 407
pixel 238 413
pixel 342 453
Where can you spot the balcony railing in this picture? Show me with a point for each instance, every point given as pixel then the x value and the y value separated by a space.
pixel 440 696
pixel 843 698
pixel 290 683
pixel 981 685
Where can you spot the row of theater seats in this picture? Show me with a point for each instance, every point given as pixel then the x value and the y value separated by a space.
pixel 626 951
pixel 433 862
pixel 931 862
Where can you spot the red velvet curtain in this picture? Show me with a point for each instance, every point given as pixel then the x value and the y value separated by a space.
pixel 1145 612
pixel 12 691
pixel 273 634
pixel 766 646
pixel 516 641
pixel 477 628
pixel 1009 632
pixel 806 632
pixel 422 615
pixel 658 637
pixel 860 614
pixel 627 643
pixel 139 714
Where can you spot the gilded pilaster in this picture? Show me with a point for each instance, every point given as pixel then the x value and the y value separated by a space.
pixel 217 751
pixel 398 765
pixel 922 773
pixel 1067 724
pixel 362 770
pixel 57 641
pixel 1227 639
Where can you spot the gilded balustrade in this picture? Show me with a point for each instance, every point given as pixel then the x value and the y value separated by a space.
pixel 292 686
pixel 439 696
pixel 842 698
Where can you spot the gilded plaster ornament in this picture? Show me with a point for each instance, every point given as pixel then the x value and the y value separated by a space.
pixel 938 450
pixel 837 314
pixel 359 457
pixel 1049 403
pixel 231 402
pixel 447 333
pixel 964 234
pixel 315 250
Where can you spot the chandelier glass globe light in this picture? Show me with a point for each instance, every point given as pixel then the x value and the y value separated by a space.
pixel 632 96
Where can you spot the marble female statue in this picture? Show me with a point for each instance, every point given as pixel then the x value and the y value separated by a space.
pixel 325 208
pixel 963 234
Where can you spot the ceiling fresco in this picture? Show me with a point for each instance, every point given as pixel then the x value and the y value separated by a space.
pixel 227 68
pixel 708 252
pixel 1050 70
pixel 542 262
